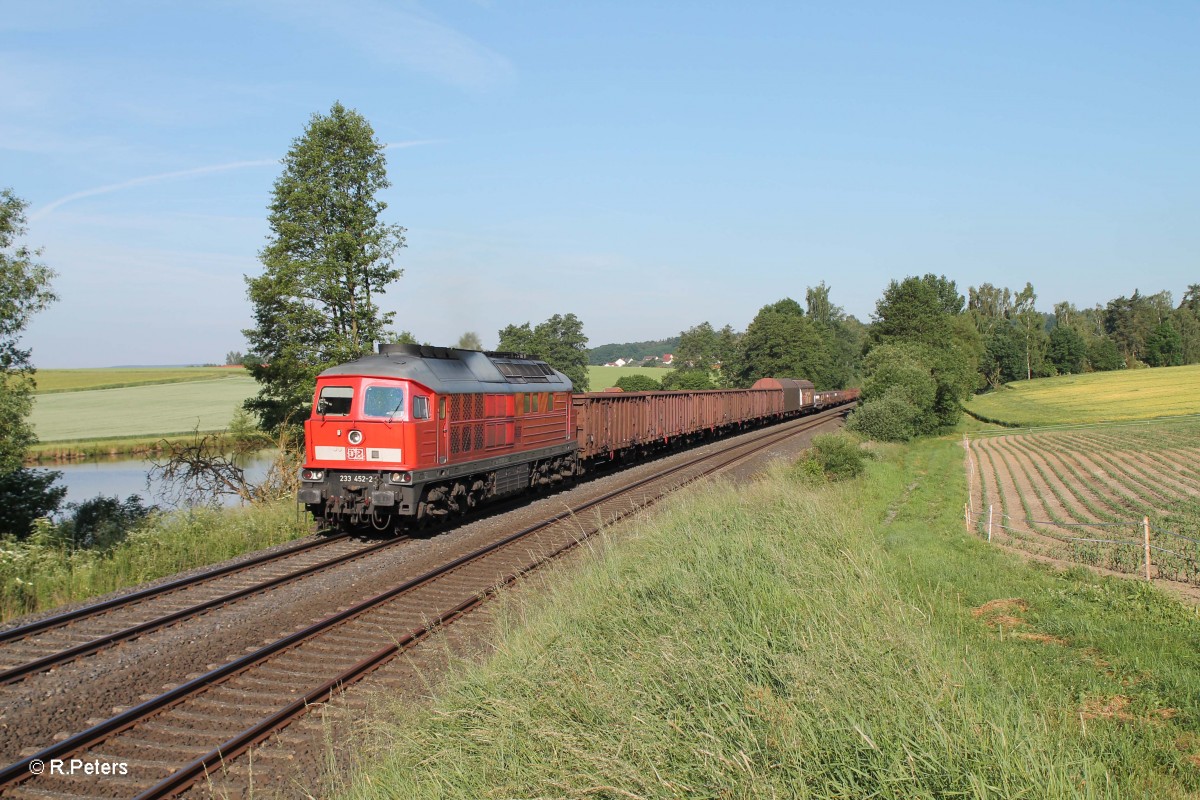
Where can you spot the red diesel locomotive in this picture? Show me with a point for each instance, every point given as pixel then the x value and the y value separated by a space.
pixel 415 433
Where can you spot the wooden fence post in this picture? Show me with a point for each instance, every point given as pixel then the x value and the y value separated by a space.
pixel 989 522
pixel 1146 540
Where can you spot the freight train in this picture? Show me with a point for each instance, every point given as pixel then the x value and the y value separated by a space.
pixel 416 433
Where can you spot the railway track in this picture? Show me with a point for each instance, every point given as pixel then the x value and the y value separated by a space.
pixel 160 747
pixel 39 646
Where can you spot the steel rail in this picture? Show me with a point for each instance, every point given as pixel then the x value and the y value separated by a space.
pixel 44 663
pixel 67 617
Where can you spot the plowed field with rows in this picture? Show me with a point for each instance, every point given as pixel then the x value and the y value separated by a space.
pixel 1081 494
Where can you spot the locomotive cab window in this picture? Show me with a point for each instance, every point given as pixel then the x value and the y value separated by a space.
pixel 420 407
pixel 385 401
pixel 334 401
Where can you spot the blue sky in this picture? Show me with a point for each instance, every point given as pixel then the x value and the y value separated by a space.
pixel 646 166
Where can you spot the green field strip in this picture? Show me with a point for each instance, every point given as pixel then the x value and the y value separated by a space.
pixel 150 410
pixel 601 378
pixel 52 381
pixel 1175 422
pixel 1095 397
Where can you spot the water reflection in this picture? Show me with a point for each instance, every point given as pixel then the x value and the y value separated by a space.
pixel 123 477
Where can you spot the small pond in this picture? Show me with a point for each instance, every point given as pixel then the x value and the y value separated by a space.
pixel 123 477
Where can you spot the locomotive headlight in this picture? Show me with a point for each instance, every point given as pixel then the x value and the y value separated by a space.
pixel 355 437
pixel 401 477
pixel 312 474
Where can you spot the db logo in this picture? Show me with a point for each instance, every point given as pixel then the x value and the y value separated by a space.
pixel 356 454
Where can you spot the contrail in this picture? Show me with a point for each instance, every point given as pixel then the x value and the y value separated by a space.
pixel 164 176
pixel 183 173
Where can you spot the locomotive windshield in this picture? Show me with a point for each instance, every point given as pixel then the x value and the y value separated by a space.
pixel 384 401
pixel 335 401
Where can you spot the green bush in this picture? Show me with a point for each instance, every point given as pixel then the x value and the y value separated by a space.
pixel 688 379
pixel 808 470
pixel 891 418
pixel 25 496
pixel 839 455
pixel 639 383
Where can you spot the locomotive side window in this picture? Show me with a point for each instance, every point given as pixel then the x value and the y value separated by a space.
pixel 420 407
pixel 335 401
pixel 384 401
pixel 441 408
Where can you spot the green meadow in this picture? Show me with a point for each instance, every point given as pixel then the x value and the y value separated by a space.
pixel 50 381
pixel 603 377
pixel 1093 397
pixel 139 411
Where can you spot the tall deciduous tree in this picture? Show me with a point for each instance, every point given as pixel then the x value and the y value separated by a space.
pixel 925 316
pixel 24 291
pixel 329 257
pixel 559 341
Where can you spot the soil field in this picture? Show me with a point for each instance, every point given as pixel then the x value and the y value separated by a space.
pixel 50 381
pixel 1081 494
pixel 134 411
pixel 1095 397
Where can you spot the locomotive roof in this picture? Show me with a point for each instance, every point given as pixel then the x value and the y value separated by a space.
pixel 448 370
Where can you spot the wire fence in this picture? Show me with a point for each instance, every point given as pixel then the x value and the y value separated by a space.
pixel 1149 551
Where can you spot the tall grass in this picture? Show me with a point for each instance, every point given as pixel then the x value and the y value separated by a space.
pixel 789 641
pixel 36 574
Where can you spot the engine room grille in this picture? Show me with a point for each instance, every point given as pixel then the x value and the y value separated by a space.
pixel 466 438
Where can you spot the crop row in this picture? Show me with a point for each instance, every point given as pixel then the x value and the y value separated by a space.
pixel 1082 496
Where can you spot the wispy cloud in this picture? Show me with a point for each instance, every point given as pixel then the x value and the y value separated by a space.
pixel 408 36
pixel 195 172
pixel 147 179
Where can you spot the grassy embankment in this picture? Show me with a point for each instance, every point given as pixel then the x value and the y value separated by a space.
pixel 844 641
pixel 35 575
pixel 1093 397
